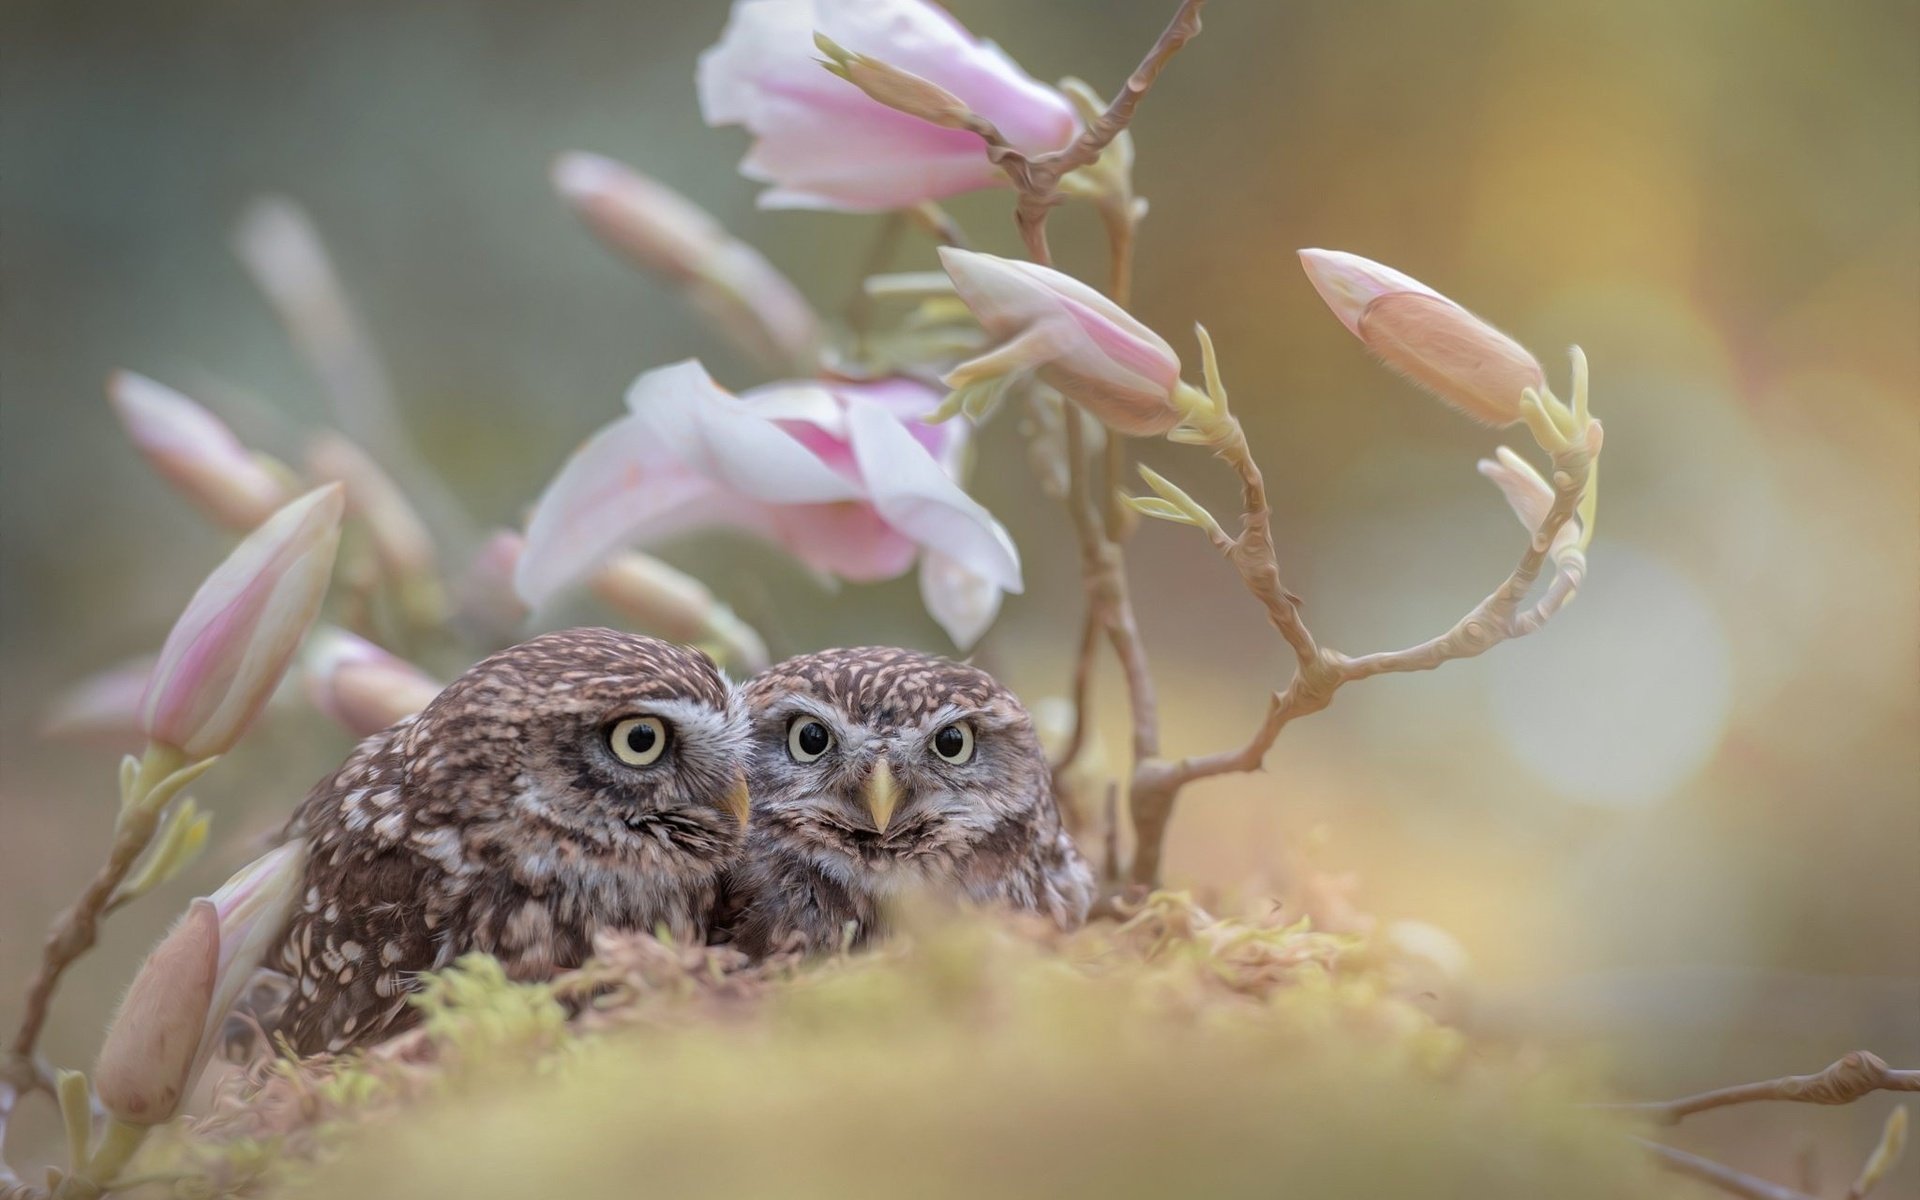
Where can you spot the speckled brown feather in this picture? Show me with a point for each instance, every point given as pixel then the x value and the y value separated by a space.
pixel 817 870
pixel 498 821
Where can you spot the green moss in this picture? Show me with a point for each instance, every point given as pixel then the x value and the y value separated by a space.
pixel 1175 1055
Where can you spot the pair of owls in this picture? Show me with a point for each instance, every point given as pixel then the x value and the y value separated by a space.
pixel 591 780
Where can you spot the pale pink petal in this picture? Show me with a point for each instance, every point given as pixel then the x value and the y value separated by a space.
pixel 915 495
pixel 1091 349
pixel 621 487
pixel 1348 283
pixel 963 602
pixel 717 436
pixel 823 143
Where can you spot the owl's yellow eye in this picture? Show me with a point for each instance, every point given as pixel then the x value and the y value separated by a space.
pixel 954 742
pixel 638 741
pixel 808 739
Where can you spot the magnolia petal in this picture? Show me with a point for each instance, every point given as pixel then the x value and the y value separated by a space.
pixel 1530 496
pixel 1349 283
pixel 914 495
pixel 964 603
pixel 719 437
pixel 622 484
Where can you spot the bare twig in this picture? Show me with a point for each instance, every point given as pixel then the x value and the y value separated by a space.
pixel 1723 1177
pixel 1843 1081
pixel 1037 177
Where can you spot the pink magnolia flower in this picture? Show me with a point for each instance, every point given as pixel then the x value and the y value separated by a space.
pixel 1073 337
pixel 361 686
pixel 823 143
pixel 170 1021
pixel 195 452
pixel 488 602
pixel 845 477
pixel 662 231
pixel 1425 336
pixel 230 647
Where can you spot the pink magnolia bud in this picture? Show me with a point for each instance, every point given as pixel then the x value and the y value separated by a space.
pixel 1425 336
pixel 666 601
pixel 488 601
pixel 230 647
pixel 360 685
pixel 195 452
pixel 400 537
pixel 1073 337
pixel 662 231
pixel 104 707
pixel 146 1063
pixel 169 1023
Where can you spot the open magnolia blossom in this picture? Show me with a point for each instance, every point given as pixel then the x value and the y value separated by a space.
pixel 846 477
pixel 227 652
pixel 195 452
pixel 823 143
pixel 1089 348
pixel 1425 336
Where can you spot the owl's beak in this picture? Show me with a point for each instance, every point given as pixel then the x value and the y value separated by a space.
pixel 881 794
pixel 738 801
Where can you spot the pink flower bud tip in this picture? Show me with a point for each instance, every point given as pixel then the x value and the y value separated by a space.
pixel 361 686
pixel 1095 352
pixel 229 649
pixel 653 225
pixel 170 1021
pixel 1425 336
pixel 195 452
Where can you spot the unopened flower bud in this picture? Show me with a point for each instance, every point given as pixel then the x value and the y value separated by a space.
pixel 195 452
pixel 146 1064
pixel 662 231
pixel 1425 336
pixel 488 601
pixel 169 1023
pixel 902 91
pixel 676 606
pixel 400 537
pixel 230 647
pixel 1083 344
pixel 104 707
pixel 1527 494
pixel 361 686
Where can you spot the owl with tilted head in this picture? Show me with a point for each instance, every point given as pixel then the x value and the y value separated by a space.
pixel 582 781
pixel 878 771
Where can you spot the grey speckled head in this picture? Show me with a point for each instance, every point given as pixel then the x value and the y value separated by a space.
pixel 875 770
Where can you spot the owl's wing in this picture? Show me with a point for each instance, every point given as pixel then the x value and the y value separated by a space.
pixel 377 910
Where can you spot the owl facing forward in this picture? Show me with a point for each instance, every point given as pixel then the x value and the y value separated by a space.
pixel 876 771
pixel 580 781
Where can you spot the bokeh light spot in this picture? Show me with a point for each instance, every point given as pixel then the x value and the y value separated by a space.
pixel 1623 703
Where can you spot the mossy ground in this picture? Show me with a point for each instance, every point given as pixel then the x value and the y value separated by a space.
pixel 1173 1055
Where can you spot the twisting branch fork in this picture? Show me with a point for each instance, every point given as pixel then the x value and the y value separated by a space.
pixel 1847 1079
pixel 1319 671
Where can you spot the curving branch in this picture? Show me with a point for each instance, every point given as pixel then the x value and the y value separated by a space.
pixel 1737 1183
pixel 1843 1081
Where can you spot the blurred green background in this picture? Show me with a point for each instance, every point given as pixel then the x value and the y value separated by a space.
pixel 1684 819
